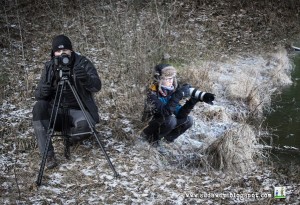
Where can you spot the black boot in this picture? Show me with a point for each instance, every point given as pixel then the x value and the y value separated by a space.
pixel 150 138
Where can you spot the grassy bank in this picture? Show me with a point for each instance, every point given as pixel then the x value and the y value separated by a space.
pixel 235 49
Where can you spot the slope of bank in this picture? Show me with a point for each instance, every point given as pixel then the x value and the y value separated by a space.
pixel 228 48
pixel 183 174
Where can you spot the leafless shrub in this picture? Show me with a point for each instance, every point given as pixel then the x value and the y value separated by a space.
pixel 280 76
pixel 197 74
pixel 234 151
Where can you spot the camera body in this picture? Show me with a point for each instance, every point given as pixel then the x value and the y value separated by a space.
pixel 62 64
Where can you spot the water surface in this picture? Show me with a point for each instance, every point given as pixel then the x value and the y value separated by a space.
pixel 285 120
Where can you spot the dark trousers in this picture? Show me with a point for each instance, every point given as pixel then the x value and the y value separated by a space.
pixel 167 127
pixel 41 119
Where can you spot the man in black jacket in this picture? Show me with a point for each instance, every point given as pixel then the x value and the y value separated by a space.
pixel 84 77
pixel 169 119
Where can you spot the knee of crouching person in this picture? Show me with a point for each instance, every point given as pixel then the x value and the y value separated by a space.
pixel 171 122
pixel 82 126
pixel 40 110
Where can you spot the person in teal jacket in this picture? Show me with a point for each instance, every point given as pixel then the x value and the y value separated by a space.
pixel 169 119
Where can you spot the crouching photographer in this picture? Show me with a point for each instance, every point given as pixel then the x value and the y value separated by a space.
pixel 169 119
pixel 83 75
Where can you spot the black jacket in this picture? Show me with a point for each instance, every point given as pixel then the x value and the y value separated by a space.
pixel 157 106
pixel 85 90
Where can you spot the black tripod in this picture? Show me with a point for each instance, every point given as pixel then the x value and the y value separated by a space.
pixel 50 133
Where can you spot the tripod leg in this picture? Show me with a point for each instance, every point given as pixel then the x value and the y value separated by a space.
pixel 42 167
pixel 67 152
pixel 105 154
pixel 50 132
pixel 65 133
pixel 92 128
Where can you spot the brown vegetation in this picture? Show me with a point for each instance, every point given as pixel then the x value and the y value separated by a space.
pixel 125 39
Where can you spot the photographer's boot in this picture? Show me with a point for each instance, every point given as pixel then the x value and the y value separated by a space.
pixel 51 162
pixel 149 138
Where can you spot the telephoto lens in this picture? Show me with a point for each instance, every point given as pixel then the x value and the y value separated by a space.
pixel 195 93
pixel 202 96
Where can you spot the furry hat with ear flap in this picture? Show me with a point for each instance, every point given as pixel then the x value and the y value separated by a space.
pixel 165 71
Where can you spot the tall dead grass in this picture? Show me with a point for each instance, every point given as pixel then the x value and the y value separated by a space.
pixel 246 85
pixel 234 150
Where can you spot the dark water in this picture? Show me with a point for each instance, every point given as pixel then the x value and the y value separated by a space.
pixel 285 120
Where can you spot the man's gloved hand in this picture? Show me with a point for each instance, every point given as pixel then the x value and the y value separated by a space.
pixel 185 90
pixel 208 98
pixel 80 73
pixel 46 90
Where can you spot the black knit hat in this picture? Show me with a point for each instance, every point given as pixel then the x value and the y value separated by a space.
pixel 61 42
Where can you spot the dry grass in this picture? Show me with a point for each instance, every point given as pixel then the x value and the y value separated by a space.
pixel 247 85
pixel 234 151
pixel 126 40
pixel 280 76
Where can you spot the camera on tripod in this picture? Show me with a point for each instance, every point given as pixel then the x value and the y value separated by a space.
pixel 62 64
